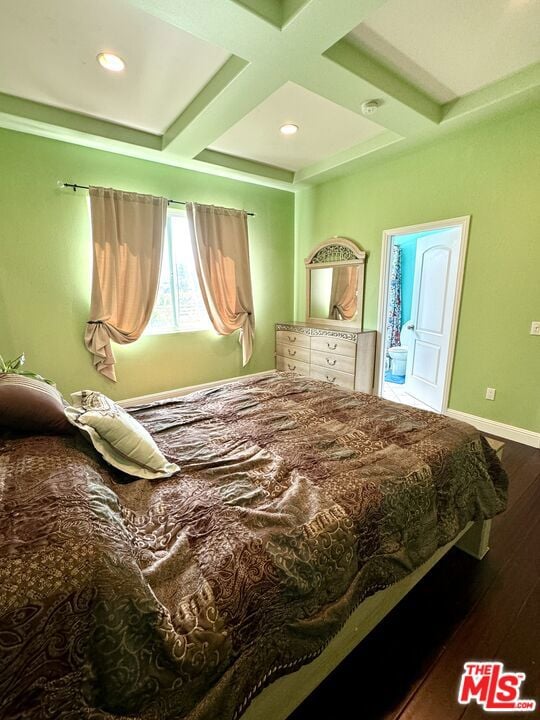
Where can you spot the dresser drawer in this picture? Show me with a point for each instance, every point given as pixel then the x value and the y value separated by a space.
pixel 292 338
pixel 335 377
pixel 286 365
pixel 333 361
pixel 335 345
pixel 293 352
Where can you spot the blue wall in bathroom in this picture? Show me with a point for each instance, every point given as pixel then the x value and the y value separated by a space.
pixel 407 243
pixel 408 257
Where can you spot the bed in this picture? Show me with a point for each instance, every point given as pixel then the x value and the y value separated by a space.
pixel 295 505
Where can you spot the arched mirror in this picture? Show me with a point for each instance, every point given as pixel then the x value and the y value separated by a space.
pixel 335 284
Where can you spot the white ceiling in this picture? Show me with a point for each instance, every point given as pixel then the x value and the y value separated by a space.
pixel 48 54
pixel 304 72
pixel 449 48
pixel 324 129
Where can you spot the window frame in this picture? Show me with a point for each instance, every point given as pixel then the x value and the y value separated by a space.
pixel 168 241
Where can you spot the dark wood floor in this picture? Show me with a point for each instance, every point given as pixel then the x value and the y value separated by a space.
pixel 409 666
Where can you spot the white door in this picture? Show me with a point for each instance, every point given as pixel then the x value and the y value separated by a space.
pixel 434 290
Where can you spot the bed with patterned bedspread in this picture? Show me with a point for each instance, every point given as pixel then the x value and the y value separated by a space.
pixel 181 598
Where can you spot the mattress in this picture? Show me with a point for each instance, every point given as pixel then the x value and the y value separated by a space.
pixel 183 598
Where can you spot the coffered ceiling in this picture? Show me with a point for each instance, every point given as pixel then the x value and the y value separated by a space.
pixel 48 54
pixel 325 128
pixel 208 84
pixel 450 49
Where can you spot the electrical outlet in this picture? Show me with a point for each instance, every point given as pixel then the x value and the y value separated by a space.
pixel 535 327
pixel 490 393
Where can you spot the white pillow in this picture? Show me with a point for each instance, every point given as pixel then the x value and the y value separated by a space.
pixel 117 436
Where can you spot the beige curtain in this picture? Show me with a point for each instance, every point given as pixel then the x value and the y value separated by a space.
pixel 221 250
pixel 127 236
pixel 343 297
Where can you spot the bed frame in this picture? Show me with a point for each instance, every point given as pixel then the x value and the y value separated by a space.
pixel 282 697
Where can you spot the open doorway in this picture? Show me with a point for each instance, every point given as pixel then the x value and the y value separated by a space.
pixel 420 292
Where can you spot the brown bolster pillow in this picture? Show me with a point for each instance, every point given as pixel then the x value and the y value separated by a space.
pixel 31 406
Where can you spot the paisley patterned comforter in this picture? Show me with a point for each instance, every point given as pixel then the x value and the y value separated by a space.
pixel 183 598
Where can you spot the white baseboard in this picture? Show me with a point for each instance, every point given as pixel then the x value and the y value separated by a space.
pixel 492 427
pixel 142 399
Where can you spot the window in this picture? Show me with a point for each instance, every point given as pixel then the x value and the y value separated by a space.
pixel 179 305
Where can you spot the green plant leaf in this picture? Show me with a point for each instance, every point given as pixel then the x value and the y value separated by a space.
pixel 18 362
pixel 27 373
pixel 14 367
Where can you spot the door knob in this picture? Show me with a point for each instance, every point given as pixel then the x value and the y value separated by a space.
pixel 410 326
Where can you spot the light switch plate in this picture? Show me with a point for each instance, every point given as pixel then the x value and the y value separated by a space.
pixel 535 327
pixel 490 393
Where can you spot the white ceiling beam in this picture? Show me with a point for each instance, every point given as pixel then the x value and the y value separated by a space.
pixel 212 113
pixel 318 24
pixel 347 160
pixel 276 57
pixel 56 122
pixel 348 77
pixel 225 23
pixel 508 93
pixel 251 167
pixel 270 10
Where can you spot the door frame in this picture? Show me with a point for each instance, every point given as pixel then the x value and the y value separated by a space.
pixel 463 223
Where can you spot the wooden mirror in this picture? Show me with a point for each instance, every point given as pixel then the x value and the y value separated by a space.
pixel 335 284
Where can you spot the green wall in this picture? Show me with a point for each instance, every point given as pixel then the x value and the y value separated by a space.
pixel 45 268
pixel 491 172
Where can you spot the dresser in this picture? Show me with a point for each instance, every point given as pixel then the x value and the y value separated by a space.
pixel 341 357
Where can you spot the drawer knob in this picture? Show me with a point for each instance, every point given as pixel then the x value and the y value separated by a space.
pixel 333 379
pixel 291 368
pixel 291 339
pixel 292 353
pixel 331 362
pixel 332 347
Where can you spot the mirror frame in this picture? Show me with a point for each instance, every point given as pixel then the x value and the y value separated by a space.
pixel 335 252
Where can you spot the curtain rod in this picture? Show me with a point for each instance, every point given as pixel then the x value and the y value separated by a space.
pixel 85 187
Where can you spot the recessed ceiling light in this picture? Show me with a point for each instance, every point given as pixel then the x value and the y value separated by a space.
pixel 111 62
pixel 288 129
